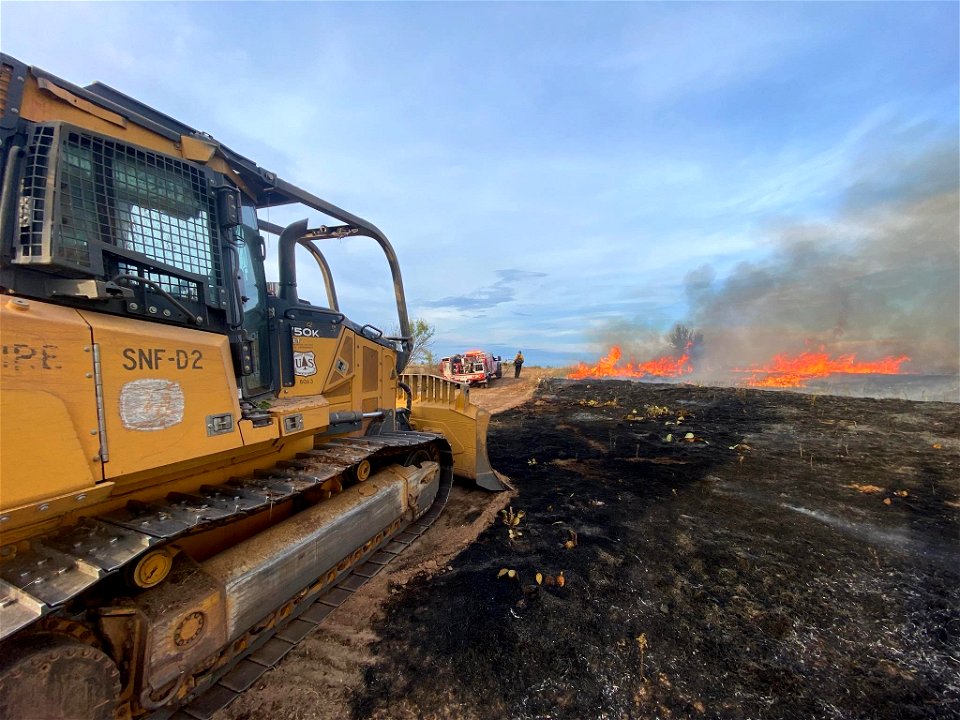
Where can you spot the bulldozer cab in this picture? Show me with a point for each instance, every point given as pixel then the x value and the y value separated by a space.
pixel 162 226
pixel 115 210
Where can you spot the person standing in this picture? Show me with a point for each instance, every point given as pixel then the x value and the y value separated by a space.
pixel 517 363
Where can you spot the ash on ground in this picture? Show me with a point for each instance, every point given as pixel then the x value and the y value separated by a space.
pixel 725 553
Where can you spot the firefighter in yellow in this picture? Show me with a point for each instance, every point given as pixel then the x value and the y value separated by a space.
pixel 517 363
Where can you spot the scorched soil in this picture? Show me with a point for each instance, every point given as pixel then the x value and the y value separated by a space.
pixel 769 555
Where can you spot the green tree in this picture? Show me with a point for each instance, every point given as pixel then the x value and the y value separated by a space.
pixel 423 333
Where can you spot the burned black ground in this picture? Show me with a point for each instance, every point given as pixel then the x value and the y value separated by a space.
pixel 809 572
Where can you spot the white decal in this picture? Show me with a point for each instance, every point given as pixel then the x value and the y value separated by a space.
pixel 151 404
pixel 306 332
pixel 304 364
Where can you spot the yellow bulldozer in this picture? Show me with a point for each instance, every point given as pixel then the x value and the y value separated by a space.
pixel 197 465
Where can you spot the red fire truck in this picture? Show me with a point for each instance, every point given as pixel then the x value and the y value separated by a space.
pixel 474 367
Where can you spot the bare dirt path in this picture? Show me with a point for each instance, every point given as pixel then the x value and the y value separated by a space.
pixel 507 392
pixel 317 680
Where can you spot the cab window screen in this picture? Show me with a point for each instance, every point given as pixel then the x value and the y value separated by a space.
pixel 160 217
pixel 139 201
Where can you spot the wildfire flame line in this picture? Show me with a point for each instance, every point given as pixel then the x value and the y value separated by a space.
pixel 782 371
pixel 786 371
pixel 608 366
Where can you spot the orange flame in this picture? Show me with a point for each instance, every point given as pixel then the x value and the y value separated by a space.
pixel 607 366
pixel 786 371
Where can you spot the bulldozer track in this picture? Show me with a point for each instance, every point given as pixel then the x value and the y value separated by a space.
pixel 41 581
pixel 272 646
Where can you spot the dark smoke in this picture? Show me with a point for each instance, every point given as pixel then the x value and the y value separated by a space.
pixel 882 279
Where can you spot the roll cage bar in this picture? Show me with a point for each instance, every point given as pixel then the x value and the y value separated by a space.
pixel 264 187
pixel 297 233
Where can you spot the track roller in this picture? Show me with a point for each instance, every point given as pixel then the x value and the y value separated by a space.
pixel 152 568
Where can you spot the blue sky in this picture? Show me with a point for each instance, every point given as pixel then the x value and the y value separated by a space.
pixel 551 174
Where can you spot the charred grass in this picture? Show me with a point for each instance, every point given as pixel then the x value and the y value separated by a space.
pixel 725 553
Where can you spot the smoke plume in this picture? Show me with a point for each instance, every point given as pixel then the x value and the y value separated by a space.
pixel 882 279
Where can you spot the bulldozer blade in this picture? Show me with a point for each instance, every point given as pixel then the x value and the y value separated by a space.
pixel 483 473
pixel 441 406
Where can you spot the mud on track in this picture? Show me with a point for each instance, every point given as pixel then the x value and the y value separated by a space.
pixel 811 572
